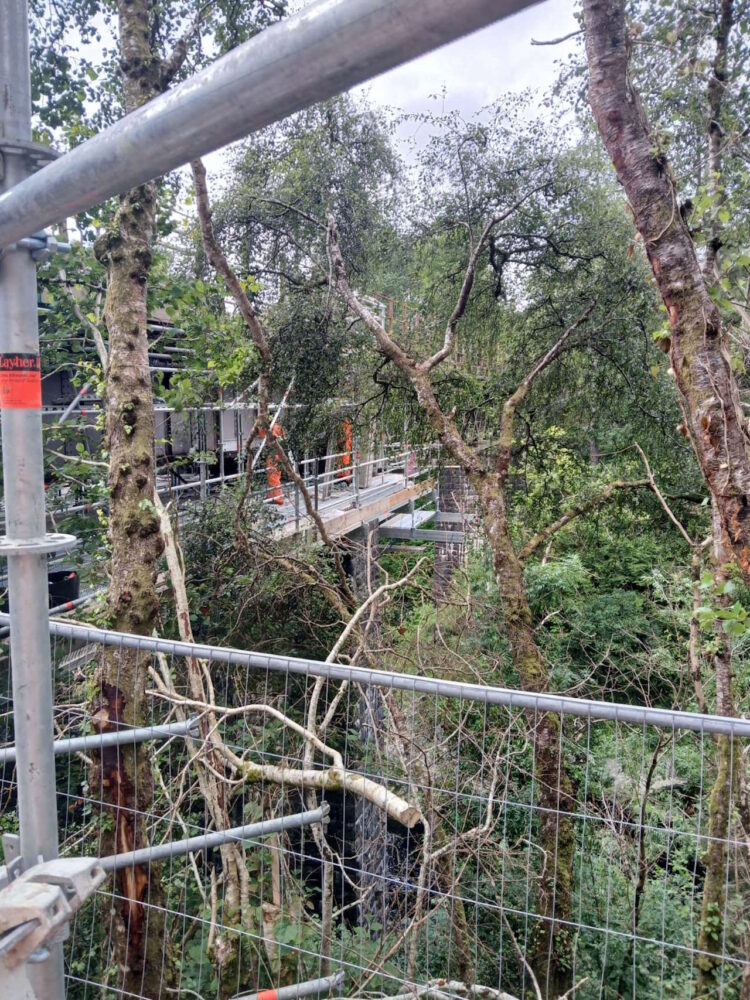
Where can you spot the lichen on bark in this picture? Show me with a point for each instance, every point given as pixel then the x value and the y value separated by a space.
pixel 142 960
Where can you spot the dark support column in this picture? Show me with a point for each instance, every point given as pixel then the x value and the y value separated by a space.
pixel 452 498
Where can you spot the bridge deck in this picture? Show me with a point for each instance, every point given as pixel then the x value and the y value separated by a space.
pixel 345 509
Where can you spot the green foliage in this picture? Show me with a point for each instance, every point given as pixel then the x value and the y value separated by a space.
pixel 550 585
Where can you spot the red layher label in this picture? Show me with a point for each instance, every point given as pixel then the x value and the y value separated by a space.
pixel 20 382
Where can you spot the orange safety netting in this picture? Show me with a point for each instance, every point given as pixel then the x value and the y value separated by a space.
pixel 344 460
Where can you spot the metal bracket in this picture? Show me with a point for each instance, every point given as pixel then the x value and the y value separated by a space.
pixel 42 246
pixel 36 546
pixel 11 847
pixel 35 907
pixel 36 155
pixel 13 866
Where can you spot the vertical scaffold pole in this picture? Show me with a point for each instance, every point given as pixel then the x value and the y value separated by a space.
pixel 220 437
pixel 25 543
pixel 202 447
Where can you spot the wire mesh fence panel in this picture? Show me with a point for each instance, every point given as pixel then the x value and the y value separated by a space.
pixel 472 847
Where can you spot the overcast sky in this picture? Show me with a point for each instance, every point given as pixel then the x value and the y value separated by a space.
pixel 473 71
pixel 476 70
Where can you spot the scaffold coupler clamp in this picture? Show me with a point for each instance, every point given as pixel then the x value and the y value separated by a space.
pixel 42 246
pixel 37 904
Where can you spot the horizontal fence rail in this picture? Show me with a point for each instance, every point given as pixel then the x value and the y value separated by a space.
pixel 326 49
pixel 536 702
pixel 121 737
pixel 206 841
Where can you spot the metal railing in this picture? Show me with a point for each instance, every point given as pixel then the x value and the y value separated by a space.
pixel 439 839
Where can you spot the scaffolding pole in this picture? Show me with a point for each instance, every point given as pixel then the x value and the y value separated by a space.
pixel 560 704
pixel 326 49
pixel 206 841
pixel 276 418
pixel 120 737
pixel 26 545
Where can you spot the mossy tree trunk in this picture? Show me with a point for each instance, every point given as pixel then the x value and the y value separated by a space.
pixel 723 800
pixel 138 946
pixel 552 945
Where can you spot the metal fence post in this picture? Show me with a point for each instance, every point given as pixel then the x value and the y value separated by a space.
pixel 240 450
pixel 296 506
pixel 202 445
pixel 220 440
pixel 26 543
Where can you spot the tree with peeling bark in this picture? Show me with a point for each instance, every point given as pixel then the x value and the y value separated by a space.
pixel 552 945
pixel 497 237
pixel 343 600
pixel 270 223
pixel 520 319
pixel 698 347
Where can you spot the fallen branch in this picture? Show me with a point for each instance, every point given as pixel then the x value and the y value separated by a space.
pixel 333 779
pixel 449 989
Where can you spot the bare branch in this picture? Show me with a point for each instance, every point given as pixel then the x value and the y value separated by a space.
pixel 174 62
pixel 313 514
pixel 220 263
pixel 372 599
pixel 443 989
pixel 96 333
pixel 557 41
pixel 468 283
pixel 335 777
pixel 290 208
pixel 442 423
pixel 662 501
